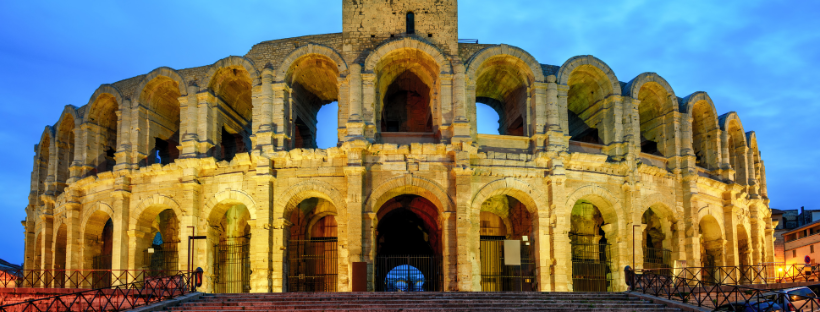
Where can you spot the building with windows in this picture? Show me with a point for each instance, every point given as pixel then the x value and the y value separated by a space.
pixel 802 242
pixel 588 168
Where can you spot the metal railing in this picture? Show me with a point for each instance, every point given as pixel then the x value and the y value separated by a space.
pixel 313 265
pixel 691 289
pixel 408 273
pixel 497 276
pixel 87 279
pixel 115 298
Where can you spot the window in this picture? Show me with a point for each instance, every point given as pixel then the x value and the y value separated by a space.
pixel 411 23
pixel 794 253
pixel 811 247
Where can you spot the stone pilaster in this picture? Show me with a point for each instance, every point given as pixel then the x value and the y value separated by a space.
pixel 467 226
pixel 122 212
pixel 351 246
pixel 260 244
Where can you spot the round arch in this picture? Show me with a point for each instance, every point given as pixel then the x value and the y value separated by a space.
pixel 229 197
pixel 410 185
pixel 297 193
pixel 162 71
pixel 505 50
pixel 103 90
pixel 68 111
pixel 571 64
pixel 231 61
pixel 607 203
pixel 688 103
pixel 727 119
pixel 148 204
pixel 633 87
pixel 407 43
pixel 518 189
pixel 100 206
pixel 310 48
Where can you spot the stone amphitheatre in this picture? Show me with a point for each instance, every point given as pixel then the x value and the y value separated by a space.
pixel 586 172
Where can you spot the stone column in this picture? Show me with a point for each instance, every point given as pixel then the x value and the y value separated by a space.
pixel 543 248
pixel 618 253
pixel 636 243
pixel 74 242
pixel 691 237
pixel 467 226
pixel 47 236
pixel 742 175
pixel 260 244
pixel 140 132
pixel 190 206
pixel 464 128
pixel 30 252
pixel 351 247
pixel 188 119
pixel 555 133
pixel 206 123
pixel 563 116
pixel 369 222
pixel 370 108
pixel 725 164
pixel 730 234
pixel 560 223
pixel 122 212
pixel 281 118
pixel 355 121
pixel 768 240
pixel 263 127
pixel 611 129
pixel 539 119
pixel 446 110
pixel 123 153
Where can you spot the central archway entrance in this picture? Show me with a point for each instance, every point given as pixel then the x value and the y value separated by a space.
pixel 506 224
pixel 591 257
pixel 408 246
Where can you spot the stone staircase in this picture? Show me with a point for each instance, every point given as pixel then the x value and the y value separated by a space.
pixel 431 301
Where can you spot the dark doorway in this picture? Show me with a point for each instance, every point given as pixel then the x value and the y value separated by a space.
pixel 408 246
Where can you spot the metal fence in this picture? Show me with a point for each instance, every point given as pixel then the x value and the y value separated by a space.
pixel 116 298
pixel 162 258
pixel 232 266
pixel 312 265
pixel 591 267
pixel 658 259
pixel 408 273
pixel 496 276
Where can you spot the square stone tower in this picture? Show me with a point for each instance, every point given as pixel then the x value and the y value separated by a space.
pixel 366 23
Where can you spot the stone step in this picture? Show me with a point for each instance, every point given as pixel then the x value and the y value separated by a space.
pixel 429 301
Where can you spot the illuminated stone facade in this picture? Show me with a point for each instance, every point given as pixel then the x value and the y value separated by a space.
pixel 227 150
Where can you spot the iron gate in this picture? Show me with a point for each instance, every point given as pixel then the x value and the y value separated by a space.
pixel 660 260
pixel 408 273
pixel 163 261
pixel 101 276
pixel 312 265
pixel 495 276
pixel 232 266
pixel 591 267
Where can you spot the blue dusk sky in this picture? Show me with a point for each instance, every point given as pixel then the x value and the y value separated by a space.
pixel 758 58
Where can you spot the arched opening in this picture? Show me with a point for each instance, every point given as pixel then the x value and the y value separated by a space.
pixel 230 237
pixel 657 241
pixel 407 105
pixel 651 112
pixel 311 261
pixel 744 254
pixel 410 21
pixel 591 251
pixel 589 86
pixel 103 138
pixel 408 236
pixel 704 135
pixel 737 152
pixel 711 248
pixel 60 244
pixel 501 83
pixel 313 80
pixel 232 88
pixel 506 225
pixel 65 151
pixel 407 79
pixel 487 119
pixel 161 96
pixel 160 245
pixel 98 241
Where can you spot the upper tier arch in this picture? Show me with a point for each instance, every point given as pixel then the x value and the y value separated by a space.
pixel 311 48
pixel 407 43
pixel 511 51
pixel 162 71
pixel 566 70
pixel 687 104
pixel 229 62
pixel 105 89
pixel 633 87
